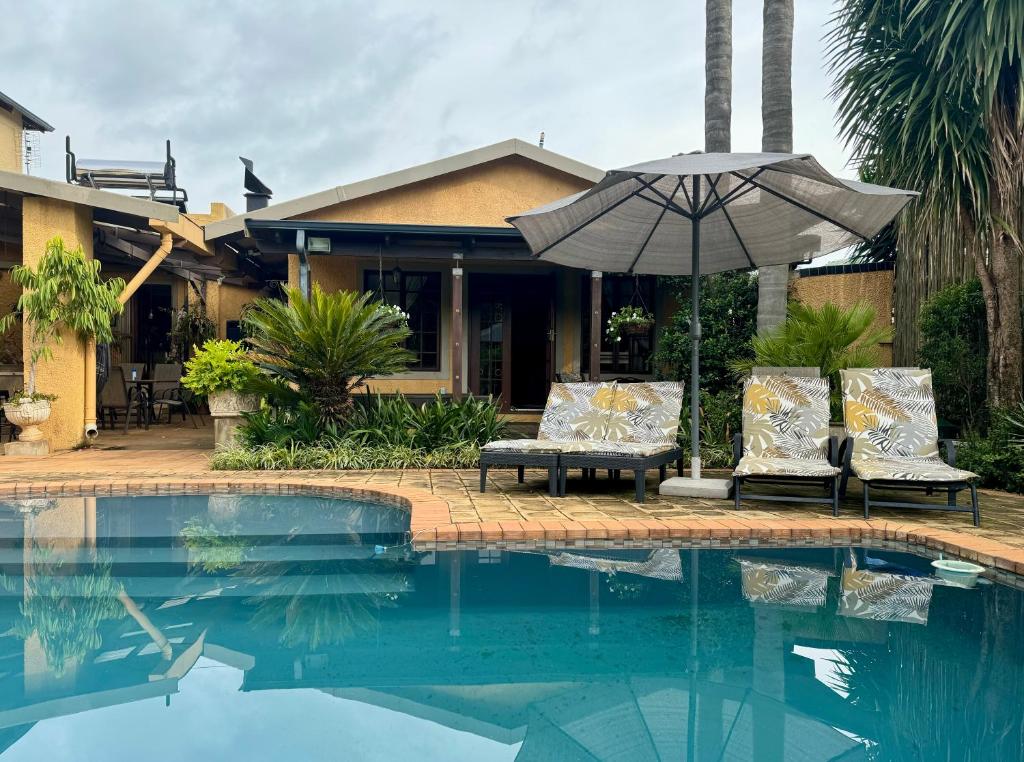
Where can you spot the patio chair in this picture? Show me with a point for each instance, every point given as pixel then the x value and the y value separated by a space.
pixel 117 399
pixel 641 434
pixel 573 412
pixel 785 439
pixel 892 440
pixel 168 394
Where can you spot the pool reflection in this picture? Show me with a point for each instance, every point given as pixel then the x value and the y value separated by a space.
pixel 760 654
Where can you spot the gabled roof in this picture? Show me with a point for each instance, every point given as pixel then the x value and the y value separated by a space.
pixel 460 161
pixel 28 120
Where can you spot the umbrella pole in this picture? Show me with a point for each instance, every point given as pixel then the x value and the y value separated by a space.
pixel 695 336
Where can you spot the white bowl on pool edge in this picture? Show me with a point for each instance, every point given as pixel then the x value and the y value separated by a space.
pixel 959 572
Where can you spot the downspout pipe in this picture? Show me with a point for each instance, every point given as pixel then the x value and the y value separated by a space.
pixel 166 244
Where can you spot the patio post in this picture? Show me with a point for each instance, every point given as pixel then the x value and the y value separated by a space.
pixel 457 328
pixel 595 326
pixel 695 334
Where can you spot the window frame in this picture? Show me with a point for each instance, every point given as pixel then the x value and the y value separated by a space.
pixel 368 274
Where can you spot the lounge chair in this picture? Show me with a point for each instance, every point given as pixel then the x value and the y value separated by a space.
pixel 640 434
pixel 785 439
pixel 892 439
pixel 573 412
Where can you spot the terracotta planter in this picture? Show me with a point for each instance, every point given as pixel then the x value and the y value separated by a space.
pixel 232 404
pixel 27 416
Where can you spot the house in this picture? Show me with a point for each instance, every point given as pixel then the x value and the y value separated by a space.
pixel 486 317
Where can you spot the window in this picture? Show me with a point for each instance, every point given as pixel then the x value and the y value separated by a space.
pixel 419 294
pixel 632 355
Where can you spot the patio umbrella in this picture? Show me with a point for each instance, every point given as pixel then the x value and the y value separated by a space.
pixel 701 213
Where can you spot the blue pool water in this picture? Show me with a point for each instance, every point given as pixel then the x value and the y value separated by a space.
pixel 259 628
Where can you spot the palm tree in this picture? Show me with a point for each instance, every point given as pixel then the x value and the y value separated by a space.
pixel 776 136
pixel 327 344
pixel 718 76
pixel 931 97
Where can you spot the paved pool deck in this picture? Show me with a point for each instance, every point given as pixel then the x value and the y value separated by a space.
pixel 449 511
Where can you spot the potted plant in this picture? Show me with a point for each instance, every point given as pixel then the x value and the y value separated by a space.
pixel 629 321
pixel 64 293
pixel 395 313
pixel 223 373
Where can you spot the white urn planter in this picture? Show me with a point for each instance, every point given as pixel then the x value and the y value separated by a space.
pixel 226 408
pixel 27 415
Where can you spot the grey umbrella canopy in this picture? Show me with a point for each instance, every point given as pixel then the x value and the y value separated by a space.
pixel 703 213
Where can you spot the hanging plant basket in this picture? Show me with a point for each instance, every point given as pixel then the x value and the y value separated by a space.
pixel 629 321
pixel 636 329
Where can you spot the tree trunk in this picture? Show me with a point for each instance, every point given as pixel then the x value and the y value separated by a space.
pixel 776 137
pixel 1000 285
pixel 718 77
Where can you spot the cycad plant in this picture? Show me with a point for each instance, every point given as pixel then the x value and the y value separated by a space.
pixel 326 344
pixel 830 338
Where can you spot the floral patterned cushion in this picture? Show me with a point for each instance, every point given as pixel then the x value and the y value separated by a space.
pixel 521 445
pixel 618 448
pixel 890 413
pixel 577 411
pixel 646 413
pixel 932 469
pixel 785 417
pixel 751 465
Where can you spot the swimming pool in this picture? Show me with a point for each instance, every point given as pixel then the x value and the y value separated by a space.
pixel 292 628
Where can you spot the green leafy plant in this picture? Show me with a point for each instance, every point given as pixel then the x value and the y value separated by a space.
pixel 997 456
pixel 720 419
pixel 378 420
pixel 190 327
pixel 64 293
pixel 829 337
pixel 219 366
pixel 629 318
pixel 954 344
pixel 343 455
pixel 327 344
pixel 728 310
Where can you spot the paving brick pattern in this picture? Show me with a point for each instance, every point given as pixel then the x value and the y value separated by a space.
pixel 449 511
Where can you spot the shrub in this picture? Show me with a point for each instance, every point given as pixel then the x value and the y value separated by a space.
pixel 720 418
pixel 954 344
pixel 830 338
pixel 64 292
pixel 438 423
pixel 728 309
pixel 327 344
pixel 343 455
pixel 997 458
pixel 219 366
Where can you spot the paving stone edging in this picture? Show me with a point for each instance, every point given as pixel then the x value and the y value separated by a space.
pixel 431 527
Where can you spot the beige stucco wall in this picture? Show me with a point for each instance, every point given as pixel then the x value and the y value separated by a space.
pixel 224 302
pixel 64 375
pixel 482 195
pixel 846 290
pixel 10 141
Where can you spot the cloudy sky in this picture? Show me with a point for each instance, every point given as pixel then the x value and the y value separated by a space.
pixel 322 93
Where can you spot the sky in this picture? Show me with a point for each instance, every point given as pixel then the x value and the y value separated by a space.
pixel 319 94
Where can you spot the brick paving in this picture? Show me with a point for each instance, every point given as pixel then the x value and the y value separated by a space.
pixel 448 509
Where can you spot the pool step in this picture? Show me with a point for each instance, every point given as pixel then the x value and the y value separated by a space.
pixel 178 554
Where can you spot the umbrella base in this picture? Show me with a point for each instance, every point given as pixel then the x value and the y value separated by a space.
pixel 687 486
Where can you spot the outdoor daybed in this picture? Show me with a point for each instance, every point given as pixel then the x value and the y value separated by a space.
pixel 785 438
pixel 892 439
pixel 597 425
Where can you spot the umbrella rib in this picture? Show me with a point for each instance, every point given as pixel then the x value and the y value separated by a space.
pixel 702 212
pixel 650 233
pixel 596 217
pixel 666 199
pixel 804 207
pixel 671 207
pixel 735 232
pixel 738 192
